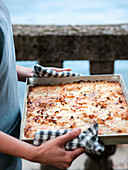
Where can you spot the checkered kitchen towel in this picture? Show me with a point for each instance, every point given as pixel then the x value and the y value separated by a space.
pixel 40 71
pixel 87 139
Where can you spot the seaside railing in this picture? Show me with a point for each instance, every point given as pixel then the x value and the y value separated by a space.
pixel 52 44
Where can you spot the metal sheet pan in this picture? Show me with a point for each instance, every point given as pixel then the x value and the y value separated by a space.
pixel 106 139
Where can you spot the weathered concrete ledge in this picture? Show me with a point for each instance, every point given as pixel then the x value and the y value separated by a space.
pixel 52 44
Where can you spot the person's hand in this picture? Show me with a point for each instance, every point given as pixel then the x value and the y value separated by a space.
pixel 53 152
pixel 24 72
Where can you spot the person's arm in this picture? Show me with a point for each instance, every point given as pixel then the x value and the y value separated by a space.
pixel 24 72
pixel 51 152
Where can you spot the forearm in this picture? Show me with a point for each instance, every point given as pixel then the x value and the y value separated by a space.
pixel 15 147
pixel 23 73
pixel 51 152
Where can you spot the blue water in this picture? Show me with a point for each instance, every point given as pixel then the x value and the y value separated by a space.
pixel 121 67
pixel 63 12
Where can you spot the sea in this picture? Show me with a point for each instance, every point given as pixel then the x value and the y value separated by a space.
pixel 69 12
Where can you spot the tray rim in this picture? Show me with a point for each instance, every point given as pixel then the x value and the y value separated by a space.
pixel 29 82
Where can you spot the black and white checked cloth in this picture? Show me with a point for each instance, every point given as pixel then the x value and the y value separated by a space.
pixel 40 71
pixel 87 139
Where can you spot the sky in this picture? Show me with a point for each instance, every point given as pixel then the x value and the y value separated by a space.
pixel 63 12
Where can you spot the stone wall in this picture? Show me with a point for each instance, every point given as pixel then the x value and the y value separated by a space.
pixel 53 44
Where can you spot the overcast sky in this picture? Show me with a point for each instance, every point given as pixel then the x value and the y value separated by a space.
pixel 63 12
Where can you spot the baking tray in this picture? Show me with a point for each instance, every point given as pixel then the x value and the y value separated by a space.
pixel 109 139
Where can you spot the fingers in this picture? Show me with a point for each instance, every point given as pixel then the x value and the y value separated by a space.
pixel 78 152
pixel 66 69
pixel 59 69
pixel 72 155
pixel 69 136
pixel 62 69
